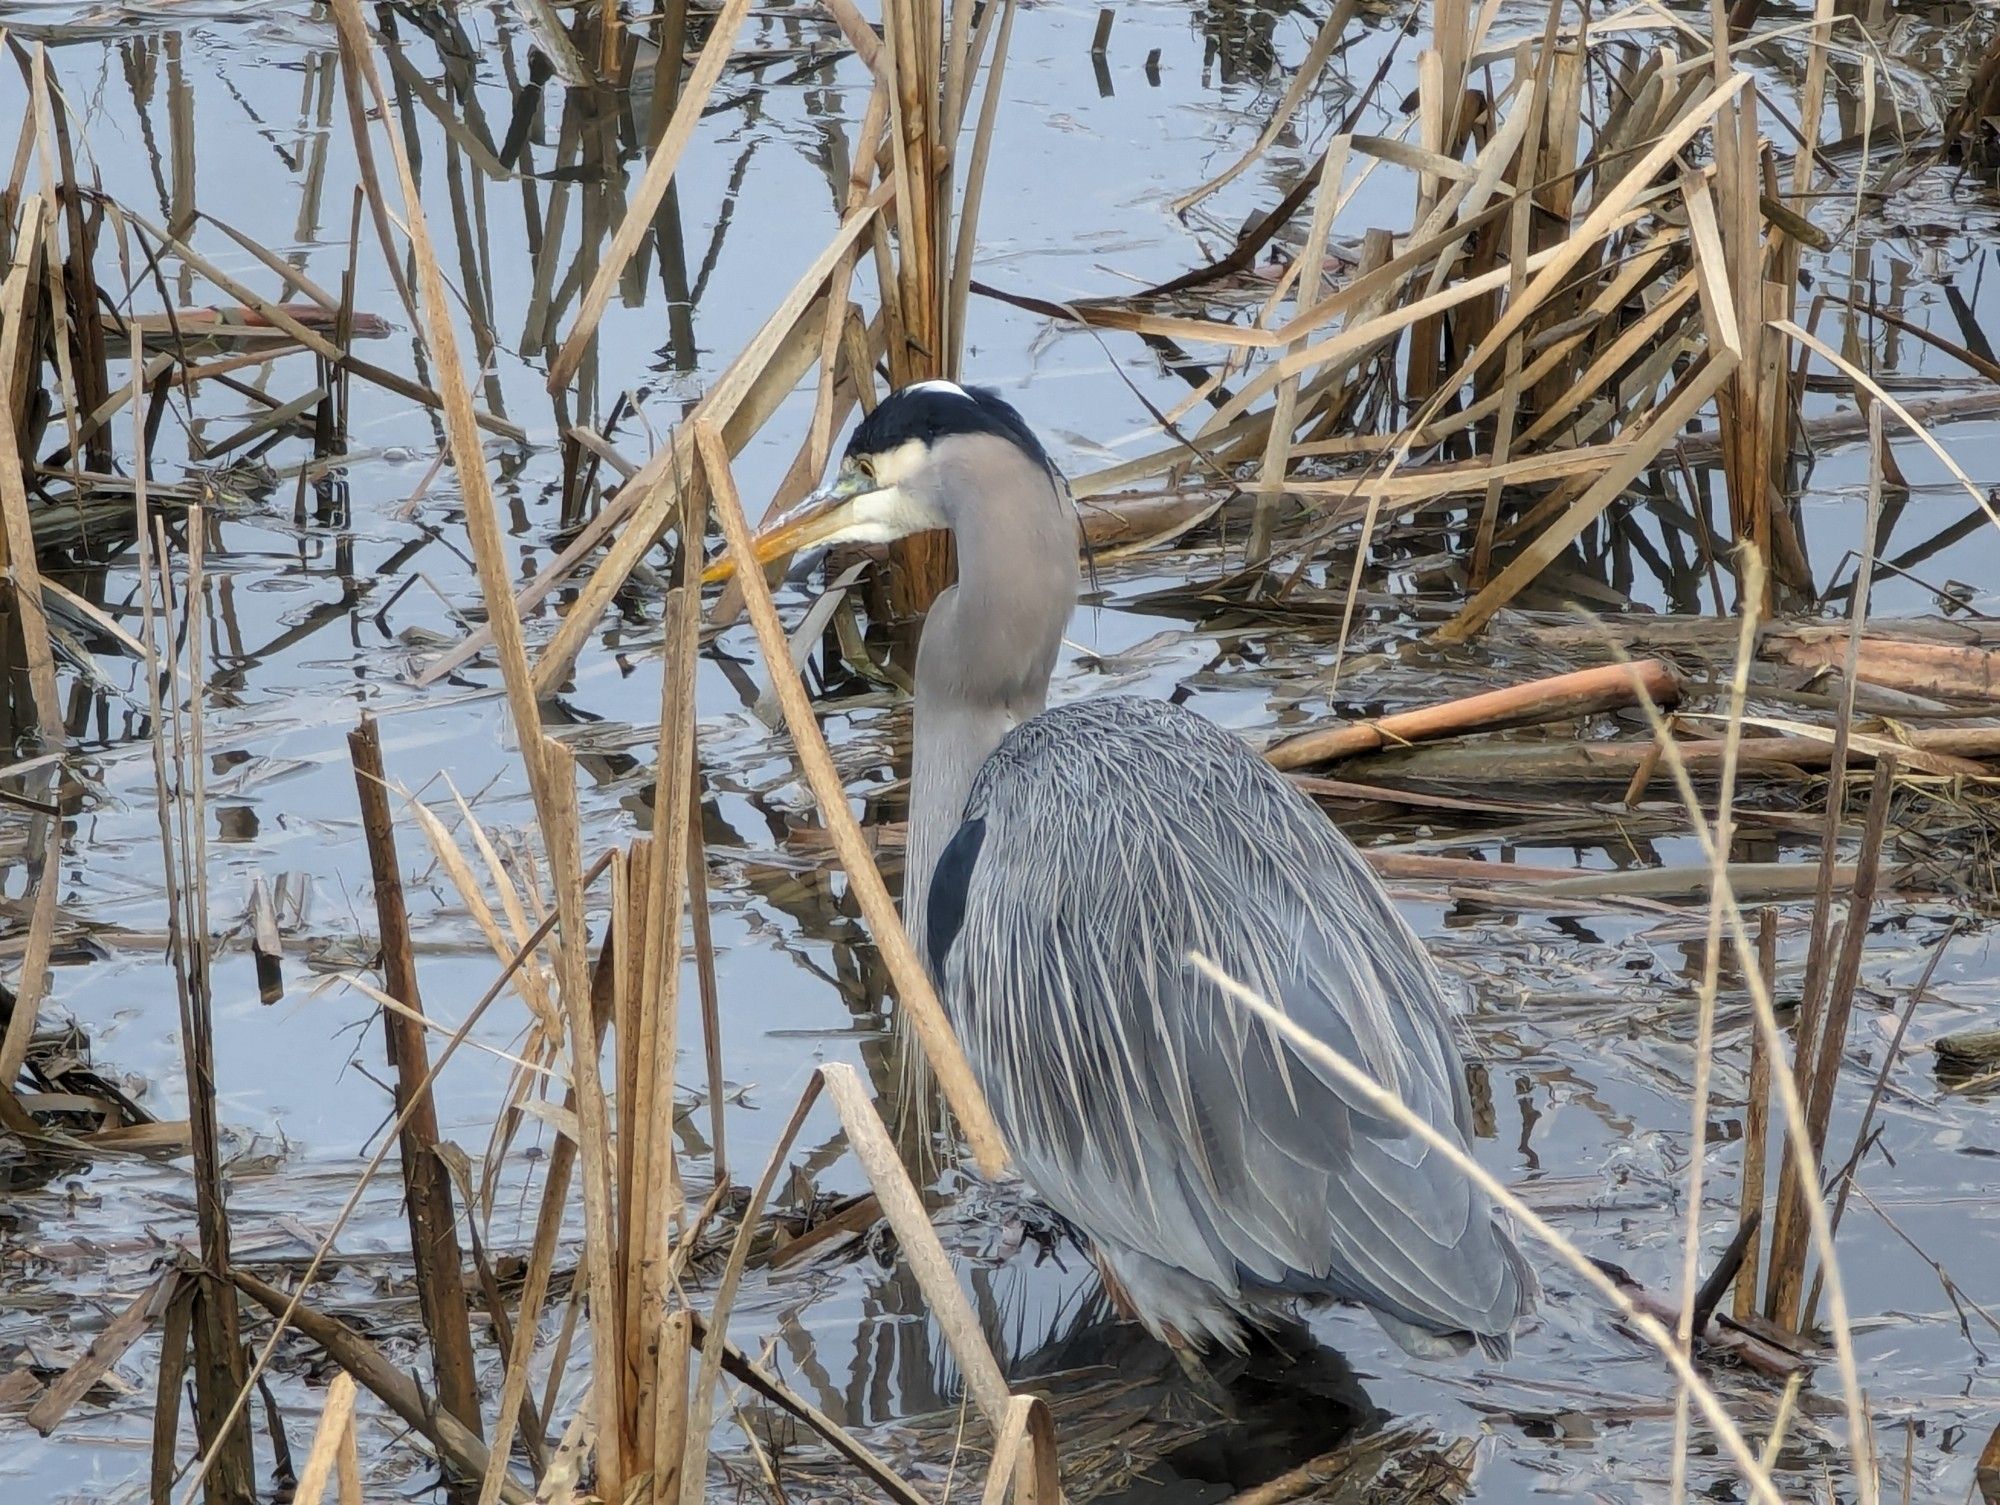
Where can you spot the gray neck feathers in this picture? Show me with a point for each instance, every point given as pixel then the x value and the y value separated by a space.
pixel 989 644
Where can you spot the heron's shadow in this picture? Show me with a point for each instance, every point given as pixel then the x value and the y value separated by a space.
pixel 1248 1418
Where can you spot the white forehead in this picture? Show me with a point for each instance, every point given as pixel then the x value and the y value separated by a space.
pixel 940 386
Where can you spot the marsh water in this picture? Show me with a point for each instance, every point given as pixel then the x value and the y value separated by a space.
pixel 325 593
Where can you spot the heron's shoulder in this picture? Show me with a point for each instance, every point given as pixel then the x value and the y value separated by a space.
pixel 1112 743
pixel 1124 722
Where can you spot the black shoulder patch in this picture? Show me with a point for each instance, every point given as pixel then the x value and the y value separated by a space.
pixel 931 411
pixel 944 915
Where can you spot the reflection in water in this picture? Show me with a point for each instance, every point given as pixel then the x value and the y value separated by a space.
pixel 1240 36
pixel 1137 1422
pixel 1247 1420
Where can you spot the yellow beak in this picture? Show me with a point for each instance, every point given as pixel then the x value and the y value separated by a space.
pixel 819 517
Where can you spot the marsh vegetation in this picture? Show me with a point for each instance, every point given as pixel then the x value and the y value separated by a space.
pixel 452 1036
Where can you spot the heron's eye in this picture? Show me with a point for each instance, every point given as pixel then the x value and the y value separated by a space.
pixel 866 467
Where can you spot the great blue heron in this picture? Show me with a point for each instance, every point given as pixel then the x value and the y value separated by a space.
pixel 1063 864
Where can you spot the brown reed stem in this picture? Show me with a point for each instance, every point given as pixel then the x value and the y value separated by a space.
pixel 534 1431
pixel 220 1428
pixel 922 565
pixel 711 1003
pixel 17 541
pixel 561 830
pixel 373 1371
pixel 105 1350
pixel 176 1329
pixel 528 1317
pixel 1788 1237
pixel 1822 1067
pixel 427 1199
pixel 654 1341
pixel 1756 1129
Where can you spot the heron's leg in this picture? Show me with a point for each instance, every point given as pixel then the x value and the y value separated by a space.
pixel 1195 1366
pixel 1209 1374
pixel 1121 1299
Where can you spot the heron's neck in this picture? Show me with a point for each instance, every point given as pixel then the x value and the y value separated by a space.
pixel 983 665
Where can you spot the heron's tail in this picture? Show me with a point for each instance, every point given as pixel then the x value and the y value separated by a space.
pixel 1526 1287
pixel 1520 1290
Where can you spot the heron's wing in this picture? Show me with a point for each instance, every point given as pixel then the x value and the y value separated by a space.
pixel 1307 1191
pixel 1151 1110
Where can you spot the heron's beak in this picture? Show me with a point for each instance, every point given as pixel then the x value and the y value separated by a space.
pixel 825 514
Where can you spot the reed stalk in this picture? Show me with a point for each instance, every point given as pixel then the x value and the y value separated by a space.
pixel 1721 840
pixel 1756 1131
pixel 19 299
pixel 334 1456
pixel 1819 1053
pixel 427 1196
pixel 1827 1000
pixel 927 68
pixel 946 1057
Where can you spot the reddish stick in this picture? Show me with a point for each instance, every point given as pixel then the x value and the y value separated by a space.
pixel 1553 699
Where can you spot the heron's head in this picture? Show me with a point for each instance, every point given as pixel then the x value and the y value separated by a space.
pixel 924 447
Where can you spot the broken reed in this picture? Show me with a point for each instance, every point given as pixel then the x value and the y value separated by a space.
pixel 426 1189
pixel 50 256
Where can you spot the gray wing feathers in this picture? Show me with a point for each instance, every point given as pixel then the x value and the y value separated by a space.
pixel 1149 1109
